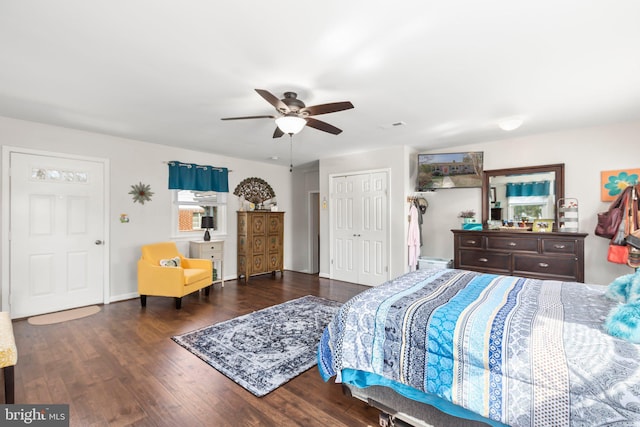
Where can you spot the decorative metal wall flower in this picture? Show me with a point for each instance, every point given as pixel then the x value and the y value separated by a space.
pixel 254 190
pixel 141 193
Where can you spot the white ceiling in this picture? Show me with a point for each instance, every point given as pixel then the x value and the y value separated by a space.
pixel 166 71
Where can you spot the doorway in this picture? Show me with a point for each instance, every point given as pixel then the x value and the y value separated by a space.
pixel 57 256
pixel 314 232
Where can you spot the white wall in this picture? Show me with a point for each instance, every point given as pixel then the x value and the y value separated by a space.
pixel 134 161
pixel 585 153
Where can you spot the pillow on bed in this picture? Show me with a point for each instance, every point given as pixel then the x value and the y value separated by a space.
pixel 625 288
pixel 623 320
pixel 171 262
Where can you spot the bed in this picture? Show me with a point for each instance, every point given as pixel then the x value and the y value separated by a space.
pixel 499 350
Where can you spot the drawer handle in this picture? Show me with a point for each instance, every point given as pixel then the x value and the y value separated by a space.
pixel 513 244
pixel 483 260
pixel 558 246
pixel 470 242
pixel 543 264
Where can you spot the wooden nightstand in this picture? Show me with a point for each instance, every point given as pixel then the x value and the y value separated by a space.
pixel 213 250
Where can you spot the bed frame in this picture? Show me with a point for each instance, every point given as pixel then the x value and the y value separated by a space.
pixel 396 410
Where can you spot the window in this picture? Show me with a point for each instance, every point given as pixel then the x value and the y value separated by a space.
pixel 191 206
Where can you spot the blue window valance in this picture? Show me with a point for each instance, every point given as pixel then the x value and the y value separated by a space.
pixel 525 189
pixel 189 176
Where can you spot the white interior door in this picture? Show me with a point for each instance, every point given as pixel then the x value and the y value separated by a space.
pixel 359 225
pixel 344 200
pixel 56 233
pixel 372 239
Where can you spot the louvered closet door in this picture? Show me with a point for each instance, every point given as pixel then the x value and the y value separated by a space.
pixel 359 224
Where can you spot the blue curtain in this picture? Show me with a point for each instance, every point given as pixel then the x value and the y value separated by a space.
pixel 189 176
pixel 522 189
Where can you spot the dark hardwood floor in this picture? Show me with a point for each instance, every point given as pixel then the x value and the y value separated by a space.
pixel 120 367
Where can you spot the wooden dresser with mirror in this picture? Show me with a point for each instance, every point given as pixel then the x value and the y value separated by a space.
pixel 516 250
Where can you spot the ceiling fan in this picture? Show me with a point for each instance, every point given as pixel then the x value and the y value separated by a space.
pixel 294 115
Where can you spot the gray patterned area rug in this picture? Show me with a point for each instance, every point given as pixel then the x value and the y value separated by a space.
pixel 263 350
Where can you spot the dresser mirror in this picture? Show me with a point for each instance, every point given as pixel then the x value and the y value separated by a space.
pixel 518 196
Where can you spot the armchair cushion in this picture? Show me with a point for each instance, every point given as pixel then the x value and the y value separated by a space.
pixel 172 262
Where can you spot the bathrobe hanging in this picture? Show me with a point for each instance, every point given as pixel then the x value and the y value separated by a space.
pixel 413 238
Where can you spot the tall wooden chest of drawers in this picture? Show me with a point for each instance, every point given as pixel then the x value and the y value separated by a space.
pixel 260 243
pixel 551 255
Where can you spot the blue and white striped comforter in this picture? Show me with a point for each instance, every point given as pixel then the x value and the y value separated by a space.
pixel 522 352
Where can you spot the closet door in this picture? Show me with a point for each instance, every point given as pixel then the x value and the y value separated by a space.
pixel 359 224
pixel 372 237
pixel 344 225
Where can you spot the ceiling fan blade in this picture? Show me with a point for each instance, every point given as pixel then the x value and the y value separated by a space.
pixel 273 100
pixel 248 117
pixel 332 107
pixel 277 133
pixel 323 126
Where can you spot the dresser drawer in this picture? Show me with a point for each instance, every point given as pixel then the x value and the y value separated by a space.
pixel 472 241
pixel 512 244
pixel 558 246
pixel 213 250
pixel 488 260
pixel 560 267
pixel 206 250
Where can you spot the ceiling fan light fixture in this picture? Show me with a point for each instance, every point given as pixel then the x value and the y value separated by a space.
pixel 291 124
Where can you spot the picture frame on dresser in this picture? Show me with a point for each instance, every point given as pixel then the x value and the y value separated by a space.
pixel 542 225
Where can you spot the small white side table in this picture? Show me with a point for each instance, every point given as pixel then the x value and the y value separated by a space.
pixel 213 250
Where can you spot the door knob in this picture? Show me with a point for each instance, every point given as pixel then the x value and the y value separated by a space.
pixel 98 242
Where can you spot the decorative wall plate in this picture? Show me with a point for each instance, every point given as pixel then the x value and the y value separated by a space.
pixel 254 190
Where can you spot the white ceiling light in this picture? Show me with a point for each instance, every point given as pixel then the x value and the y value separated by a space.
pixel 511 123
pixel 290 124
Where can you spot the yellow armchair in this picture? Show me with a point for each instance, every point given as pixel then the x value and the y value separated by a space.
pixel 158 276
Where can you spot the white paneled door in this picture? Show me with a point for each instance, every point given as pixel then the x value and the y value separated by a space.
pixel 359 225
pixel 56 233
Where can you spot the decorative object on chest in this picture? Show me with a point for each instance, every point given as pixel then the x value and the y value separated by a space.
pixel 548 255
pixel 260 243
pixel 211 250
pixel 567 212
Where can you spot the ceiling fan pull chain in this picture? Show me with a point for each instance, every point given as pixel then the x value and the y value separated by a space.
pixel 290 153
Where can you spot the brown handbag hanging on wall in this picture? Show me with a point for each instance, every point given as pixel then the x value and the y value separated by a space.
pixel 618 252
pixel 609 221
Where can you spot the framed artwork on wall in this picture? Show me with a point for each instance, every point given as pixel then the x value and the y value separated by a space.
pixel 613 182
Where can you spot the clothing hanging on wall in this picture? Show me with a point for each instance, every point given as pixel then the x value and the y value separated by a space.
pixel 413 238
pixel 421 205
